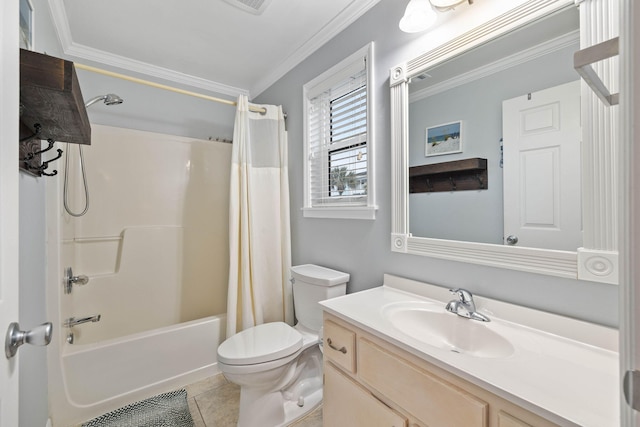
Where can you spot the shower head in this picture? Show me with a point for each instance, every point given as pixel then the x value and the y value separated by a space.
pixel 109 99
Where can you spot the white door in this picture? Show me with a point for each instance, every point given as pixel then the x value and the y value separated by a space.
pixel 9 101
pixel 541 143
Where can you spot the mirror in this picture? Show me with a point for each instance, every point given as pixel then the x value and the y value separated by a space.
pixel 471 92
pixel 459 192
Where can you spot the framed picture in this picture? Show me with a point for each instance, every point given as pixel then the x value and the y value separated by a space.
pixel 26 24
pixel 444 139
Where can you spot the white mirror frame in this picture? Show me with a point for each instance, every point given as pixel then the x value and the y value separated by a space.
pixel 598 260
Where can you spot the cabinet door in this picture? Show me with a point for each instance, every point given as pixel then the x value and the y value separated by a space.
pixel 420 393
pixel 507 420
pixel 348 404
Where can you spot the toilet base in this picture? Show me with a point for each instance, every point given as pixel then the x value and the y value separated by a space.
pixel 273 411
pixel 293 412
pixel 297 393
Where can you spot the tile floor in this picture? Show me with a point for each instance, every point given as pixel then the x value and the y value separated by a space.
pixel 214 401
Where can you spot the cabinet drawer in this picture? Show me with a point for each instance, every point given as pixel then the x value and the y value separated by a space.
pixel 429 398
pixel 348 404
pixel 340 345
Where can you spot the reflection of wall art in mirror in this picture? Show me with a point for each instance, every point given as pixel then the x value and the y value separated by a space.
pixel 444 139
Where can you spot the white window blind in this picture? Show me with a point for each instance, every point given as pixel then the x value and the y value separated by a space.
pixel 337 141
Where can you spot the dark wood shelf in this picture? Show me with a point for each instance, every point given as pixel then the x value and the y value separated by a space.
pixel 50 95
pixel 51 101
pixel 458 175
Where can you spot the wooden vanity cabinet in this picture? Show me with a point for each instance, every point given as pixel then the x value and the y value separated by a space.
pixel 371 382
pixel 353 405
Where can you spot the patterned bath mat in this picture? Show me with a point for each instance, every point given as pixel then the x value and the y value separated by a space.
pixel 165 410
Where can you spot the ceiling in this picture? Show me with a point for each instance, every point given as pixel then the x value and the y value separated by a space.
pixel 206 44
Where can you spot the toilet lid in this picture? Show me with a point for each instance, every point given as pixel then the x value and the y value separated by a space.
pixel 262 343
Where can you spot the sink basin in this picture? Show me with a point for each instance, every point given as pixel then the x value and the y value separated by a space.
pixel 432 325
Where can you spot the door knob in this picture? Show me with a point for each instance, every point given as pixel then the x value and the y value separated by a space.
pixel 512 240
pixel 40 335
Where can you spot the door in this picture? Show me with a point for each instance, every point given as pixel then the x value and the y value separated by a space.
pixel 541 143
pixel 9 101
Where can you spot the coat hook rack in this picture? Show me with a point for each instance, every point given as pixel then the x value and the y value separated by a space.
pixel 31 153
pixel 51 109
pixel 457 175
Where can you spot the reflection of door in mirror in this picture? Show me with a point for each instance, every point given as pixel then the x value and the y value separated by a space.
pixel 542 135
pixel 470 89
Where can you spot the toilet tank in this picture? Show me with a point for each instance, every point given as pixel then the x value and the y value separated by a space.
pixel 312 284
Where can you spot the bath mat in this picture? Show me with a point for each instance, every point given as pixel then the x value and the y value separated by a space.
pixel 165 410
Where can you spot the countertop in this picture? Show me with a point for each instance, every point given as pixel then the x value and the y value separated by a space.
pixel 562 369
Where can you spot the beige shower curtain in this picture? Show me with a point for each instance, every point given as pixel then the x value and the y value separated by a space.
pixel 259 231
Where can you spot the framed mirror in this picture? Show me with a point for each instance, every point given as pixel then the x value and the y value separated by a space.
pixel 500 155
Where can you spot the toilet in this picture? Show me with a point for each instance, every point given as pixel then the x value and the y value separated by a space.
pixel 279 367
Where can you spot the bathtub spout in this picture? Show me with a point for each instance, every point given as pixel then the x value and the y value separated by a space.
pixel 72 321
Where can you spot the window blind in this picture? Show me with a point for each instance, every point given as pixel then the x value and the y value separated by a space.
pixel 337 142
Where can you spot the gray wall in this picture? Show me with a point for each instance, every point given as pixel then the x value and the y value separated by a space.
pixel 33 360
pixel 475 216
pixel 33 402
pixel 362 248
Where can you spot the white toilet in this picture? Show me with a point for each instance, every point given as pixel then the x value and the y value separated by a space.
pixel 279 367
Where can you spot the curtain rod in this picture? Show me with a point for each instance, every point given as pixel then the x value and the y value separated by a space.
pixel 260 110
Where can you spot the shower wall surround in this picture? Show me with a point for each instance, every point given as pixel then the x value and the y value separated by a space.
pixel 154 242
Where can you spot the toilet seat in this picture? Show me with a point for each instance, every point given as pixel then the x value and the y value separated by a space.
pixel 259 344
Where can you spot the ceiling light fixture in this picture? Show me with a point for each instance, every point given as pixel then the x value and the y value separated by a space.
pixel 420 14
pixel 445 5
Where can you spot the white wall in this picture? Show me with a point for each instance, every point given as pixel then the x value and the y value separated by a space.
pixel 362 248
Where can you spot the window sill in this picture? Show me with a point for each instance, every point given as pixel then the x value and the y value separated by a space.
pixel 356 212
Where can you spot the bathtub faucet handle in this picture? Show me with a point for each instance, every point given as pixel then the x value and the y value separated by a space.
pixel 73 321
pixel 70 280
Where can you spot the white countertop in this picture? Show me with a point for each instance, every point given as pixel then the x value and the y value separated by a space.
pixel 562 369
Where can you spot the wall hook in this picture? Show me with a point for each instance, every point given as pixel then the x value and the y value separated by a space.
pixel 46 164
pixel 454 187
pixel 429 185
pixel 32 161
pixel 33 154
pixel 35 134
pixel 480 180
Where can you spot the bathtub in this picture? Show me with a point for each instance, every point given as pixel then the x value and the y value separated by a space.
pixel 98 378
pixel 154 245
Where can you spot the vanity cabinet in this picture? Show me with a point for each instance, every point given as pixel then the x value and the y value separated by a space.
pixel 371 382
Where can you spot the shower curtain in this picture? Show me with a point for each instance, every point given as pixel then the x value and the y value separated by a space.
pixel 259 230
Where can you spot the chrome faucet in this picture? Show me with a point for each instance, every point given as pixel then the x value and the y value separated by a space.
pixel 464 305
pixel 72 321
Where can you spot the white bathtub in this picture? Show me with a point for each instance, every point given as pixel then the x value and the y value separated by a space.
pixel 154 245
pixel 98 378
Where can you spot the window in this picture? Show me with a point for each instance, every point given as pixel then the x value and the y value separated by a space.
pixel 338 141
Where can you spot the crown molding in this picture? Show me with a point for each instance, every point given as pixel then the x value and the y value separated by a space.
pixel 75 50
pixel 95 55
pixel 349 15
pixel 534 52
pixel 60 22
